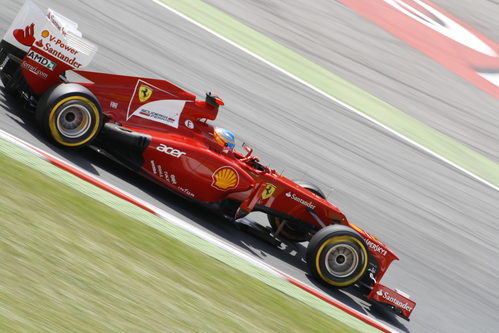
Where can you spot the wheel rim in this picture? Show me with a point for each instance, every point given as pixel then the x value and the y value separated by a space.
pixel 341 260
pixel 74 121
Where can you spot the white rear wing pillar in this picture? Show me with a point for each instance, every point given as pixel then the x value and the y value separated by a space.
pixel 49 43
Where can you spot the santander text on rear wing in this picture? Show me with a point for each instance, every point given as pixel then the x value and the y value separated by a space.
pixel 50 44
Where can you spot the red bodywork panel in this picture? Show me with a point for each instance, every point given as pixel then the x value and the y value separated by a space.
pixel 160 130
pixel 184 157
pixel 383 294
pixel 383 255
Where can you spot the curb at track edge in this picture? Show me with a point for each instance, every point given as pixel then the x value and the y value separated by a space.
pixel 177 222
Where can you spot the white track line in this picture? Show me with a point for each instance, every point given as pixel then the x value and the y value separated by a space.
pixel 360 113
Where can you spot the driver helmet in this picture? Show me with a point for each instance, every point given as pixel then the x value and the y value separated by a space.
pixel 224 138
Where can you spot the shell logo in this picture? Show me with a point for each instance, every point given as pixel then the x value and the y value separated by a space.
pixel 225 178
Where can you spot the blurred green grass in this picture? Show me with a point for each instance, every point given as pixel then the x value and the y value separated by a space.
pixel 71 264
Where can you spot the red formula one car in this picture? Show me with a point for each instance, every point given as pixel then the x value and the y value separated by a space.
pixel 164 133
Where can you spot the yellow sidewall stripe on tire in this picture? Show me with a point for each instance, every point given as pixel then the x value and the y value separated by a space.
pixel 55 132
pixel 335 240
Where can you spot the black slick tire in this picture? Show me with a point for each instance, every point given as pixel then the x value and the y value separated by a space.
pixel 69 115
pixel 337 255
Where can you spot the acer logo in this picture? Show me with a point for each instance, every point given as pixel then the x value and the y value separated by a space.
pixel 170 150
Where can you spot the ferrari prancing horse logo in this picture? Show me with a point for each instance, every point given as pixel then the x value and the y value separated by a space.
pixel 268 191
pixel 145 93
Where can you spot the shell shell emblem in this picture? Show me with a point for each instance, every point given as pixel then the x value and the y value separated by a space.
pixel 225 178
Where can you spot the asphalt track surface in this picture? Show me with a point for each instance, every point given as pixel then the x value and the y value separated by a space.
pixel 339 39
pixel 442 224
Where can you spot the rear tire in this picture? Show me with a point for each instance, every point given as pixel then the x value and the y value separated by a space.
pixel 337 255
pixel 295 231
pixel 69 115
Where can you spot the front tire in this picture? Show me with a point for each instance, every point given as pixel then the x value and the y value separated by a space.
pixel 69 115
pixel 337 255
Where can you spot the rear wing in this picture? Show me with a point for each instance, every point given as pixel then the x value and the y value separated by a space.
pixel 45 44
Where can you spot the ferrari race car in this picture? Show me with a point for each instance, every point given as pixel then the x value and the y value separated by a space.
pixel 163 132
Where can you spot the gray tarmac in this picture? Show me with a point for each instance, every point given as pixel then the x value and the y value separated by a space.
pixel 337 38
pixel 441 223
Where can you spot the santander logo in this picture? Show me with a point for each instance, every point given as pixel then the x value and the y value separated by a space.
pixel 401 304
pixel 300 200
pixel 25 36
